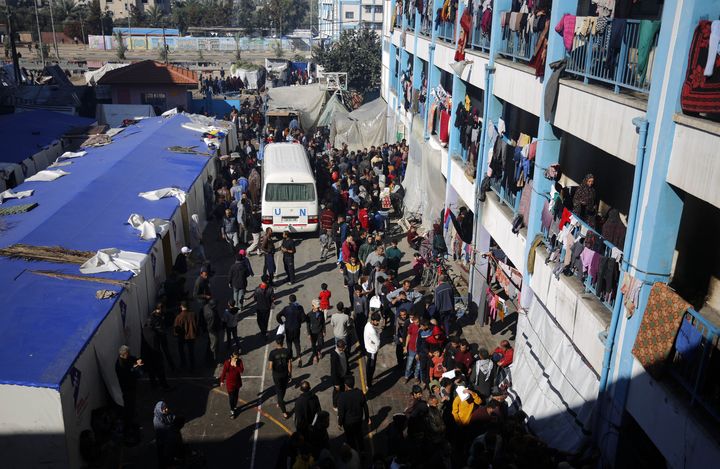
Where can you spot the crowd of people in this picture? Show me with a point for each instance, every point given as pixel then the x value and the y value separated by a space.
pixel 457 413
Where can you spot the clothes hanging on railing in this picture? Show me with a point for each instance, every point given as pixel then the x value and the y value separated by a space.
pixel 614 42
pixel 604 7
pixel 701 93
pixel 646 38
pixel 713 48
pixel 631 293
pixel 566 28
pixel 539 55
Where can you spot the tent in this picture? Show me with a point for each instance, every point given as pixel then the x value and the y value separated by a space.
pixel 362 128
pixel 334 107
pixel 307 100
pixel 114 114
pixel 60 341
pixel 31 141
pixel 92 77
pixel 255 77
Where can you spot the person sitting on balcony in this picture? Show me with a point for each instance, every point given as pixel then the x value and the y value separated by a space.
pixel 585 200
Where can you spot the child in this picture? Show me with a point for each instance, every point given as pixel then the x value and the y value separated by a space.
pixel 230 319
pixel 418 265
pixel 324 297
pixel 325 244
pixel 437 365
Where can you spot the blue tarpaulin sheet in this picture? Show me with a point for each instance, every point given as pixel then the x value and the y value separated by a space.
pixel 46 321
pixel 25 133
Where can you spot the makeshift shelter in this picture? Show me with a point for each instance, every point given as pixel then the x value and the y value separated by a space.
pixel 254 78
pixel 114 114
pixel 31 141
pixel 333 108
pixel 60 341
pixel 306 100
pixel 362 128
pixel 92 77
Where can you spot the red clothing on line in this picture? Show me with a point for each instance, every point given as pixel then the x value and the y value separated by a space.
pixel 444 124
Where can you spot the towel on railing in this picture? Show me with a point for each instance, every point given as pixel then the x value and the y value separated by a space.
pixel 646 39
pixel 566 28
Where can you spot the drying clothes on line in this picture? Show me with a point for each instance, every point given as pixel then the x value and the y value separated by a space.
pixel 444 124
pixel 613 229
pixel 531 255
pixel 600 25
pixel 607 279
pixel 546 217
pixel 552 89
pixel 114 260
pixel 590 262
pixel 631 293
pixel 47 175
pixel 688 341
pixel 566 28
pixel 501 127
pixel 614 42
pixel 646 39
pixel 604 7
pixel 700 93
pixel 165 192
pixel 9 194
pixel 540 54
pixel 149 229
pixel 658 329
pixel 585 26
pixel 523 140
pixel 616 254
pixel 713 49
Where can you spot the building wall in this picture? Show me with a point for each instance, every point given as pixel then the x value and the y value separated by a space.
pixel 175 95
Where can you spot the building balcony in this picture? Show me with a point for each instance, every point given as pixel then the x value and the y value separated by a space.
pixel 625 69
pixel 479 40
pixel 446 31
pixel 517 45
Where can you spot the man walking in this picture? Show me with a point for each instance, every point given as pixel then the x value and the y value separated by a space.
pixel 316 331
pixel 229 229
pixel 280 363
pixel 201 289
pixel 238 277
pixel 307 406
pixel 292 316
pixel 288 250
pixel 214 329
pixel 372 345
pixel 127 369
pixel 352 412
pixel 264 298
pixel 340 322
pixel 361 310
pixel 445 304
pixel 185 329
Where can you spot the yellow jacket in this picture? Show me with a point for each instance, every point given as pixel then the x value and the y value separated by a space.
pixel 462 410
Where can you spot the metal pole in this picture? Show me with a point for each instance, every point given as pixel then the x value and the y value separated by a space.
pixel 129 27
pixel 13 49
pixel 82 30
pixel 40 43
pixel 52 24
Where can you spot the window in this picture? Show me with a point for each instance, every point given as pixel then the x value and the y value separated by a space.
pixel 154 99
pixel 378 9
pixel 368 9
pixel 303 192
pixel 349 15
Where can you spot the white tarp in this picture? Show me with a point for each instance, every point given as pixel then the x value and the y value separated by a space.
pixel 424 183
pixel 149 229
pixel 114 114
pixel 165 192
pixel 47 175
pixel 364 127
pixel 254 79
pixel 113 260
pixel 91 78
pixel 71 154
pixel 306 100
pixel 9 194
pixel 333 108
pixel 556 389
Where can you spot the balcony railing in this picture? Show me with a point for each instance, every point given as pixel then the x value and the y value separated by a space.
pixel 479 40
pixel 508 197
pixel 411 21
pixel 518 45
pixel 446 31
pixel 591 60
pixel 695 366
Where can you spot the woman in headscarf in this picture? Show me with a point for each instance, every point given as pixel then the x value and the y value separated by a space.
pixel 585 200
pixel 168 438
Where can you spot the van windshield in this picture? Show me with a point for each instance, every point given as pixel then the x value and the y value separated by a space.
pixel 297 192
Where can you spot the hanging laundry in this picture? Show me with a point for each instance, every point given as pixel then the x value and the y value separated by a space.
pixel 631 293
pixel 566 28
pixel 713 49
pixel 700 93
pixel 614 42
pixel 658 329
pixel 688 341
pixel 604 7
pixel 646 39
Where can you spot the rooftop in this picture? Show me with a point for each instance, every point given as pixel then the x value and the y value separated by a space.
pixel 149 72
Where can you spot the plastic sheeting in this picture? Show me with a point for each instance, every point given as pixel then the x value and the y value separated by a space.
pixel 113 260
pixel 9 194
pixel 91 78
pixel 424 183
pixel 114 114
pixel 364 127
pixel 149 229
pixel 255 78
pixel 333 108
pixel 556 388
pixel 165 192
pixel 47 175
pixel 307 100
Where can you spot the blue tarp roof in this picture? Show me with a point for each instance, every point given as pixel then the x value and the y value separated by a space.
pixel 148 31
pixel 25 133
pixel 47 322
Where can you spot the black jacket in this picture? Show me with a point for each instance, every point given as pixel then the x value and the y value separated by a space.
pixel 307 406
pixel 292 316
pixel 239 273
pixel 264 298
pixel 352 407
pixel 337 374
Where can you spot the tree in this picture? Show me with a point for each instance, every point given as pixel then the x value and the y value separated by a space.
pixel 356 52
pixel 154 16
pixel 285 15
pixel 65 9
pixel 246 15
pixel 97 21
pixel 72 29
pixel 121 47
pixel 137 16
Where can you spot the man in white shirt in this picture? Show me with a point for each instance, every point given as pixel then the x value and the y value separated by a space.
pixel 372 345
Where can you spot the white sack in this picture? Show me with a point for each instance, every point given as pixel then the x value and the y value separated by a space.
pixel 113 260
pixel 47 175
pixel 149 229
pixel 9 194
pixel 72 154
pixel 165 192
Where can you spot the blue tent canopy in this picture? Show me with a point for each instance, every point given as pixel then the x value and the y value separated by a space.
pixel 25 133
pixel 47 322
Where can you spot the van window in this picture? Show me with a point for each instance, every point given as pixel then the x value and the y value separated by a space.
pixel 302 192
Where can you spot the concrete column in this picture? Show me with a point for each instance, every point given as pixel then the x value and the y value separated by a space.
pixel 433 81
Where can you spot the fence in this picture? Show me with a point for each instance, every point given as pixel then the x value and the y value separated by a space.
pixel 508 197
pixel 479 40
pixel 592 59
pixel 696 367
pixel 198 43
pixel 446 31
pixel 518 45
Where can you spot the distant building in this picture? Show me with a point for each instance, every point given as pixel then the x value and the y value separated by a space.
pixel 148 82
pixel 335 16
pixel 121 8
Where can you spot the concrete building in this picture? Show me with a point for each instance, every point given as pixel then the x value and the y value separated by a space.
pixel 581 369
pixel 335 16
pixel 121 8
pixel 148 82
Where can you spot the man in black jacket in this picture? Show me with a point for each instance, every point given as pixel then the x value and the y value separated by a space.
pixel 127 369
pixel 339 370
pixel 445 304
pixel 264 298
pixel 352 412
pixel 307 406
pixel 238 277
pixel 292 316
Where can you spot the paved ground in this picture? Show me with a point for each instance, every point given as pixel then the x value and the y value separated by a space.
pixel 255 438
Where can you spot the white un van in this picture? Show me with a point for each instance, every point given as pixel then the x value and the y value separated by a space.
pixel 289 196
